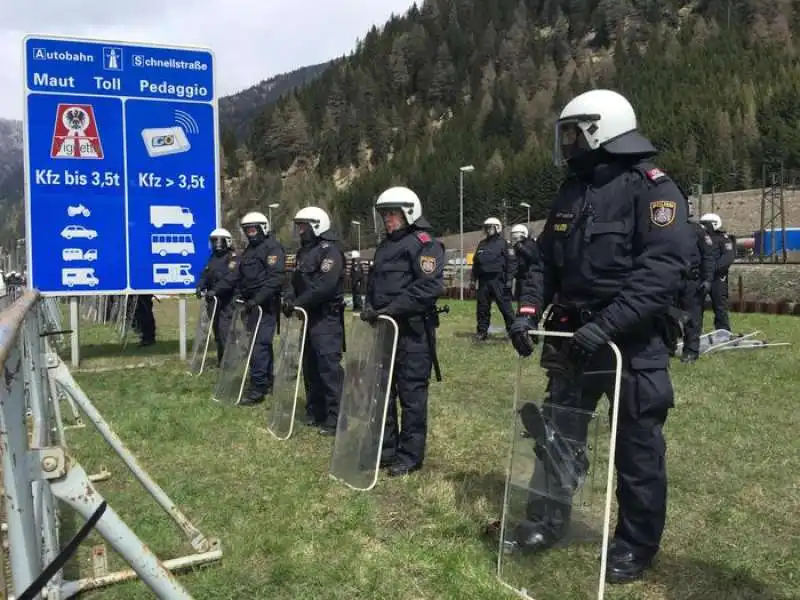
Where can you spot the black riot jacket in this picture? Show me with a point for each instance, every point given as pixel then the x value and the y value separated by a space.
pixel 318 279
pixel 616 241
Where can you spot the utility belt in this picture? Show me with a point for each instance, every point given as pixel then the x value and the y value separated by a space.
pixel 568 317
pixel 430 321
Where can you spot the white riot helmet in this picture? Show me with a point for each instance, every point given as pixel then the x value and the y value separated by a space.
pixel 316 217
pixel 355 254
pixel 598 118
pixel 259 222
pixel 713 219
pixel 519 233
pixel 402 198
pixel 220 239
pixel 492 226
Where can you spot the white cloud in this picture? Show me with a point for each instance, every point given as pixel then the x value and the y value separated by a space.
pixel 252 39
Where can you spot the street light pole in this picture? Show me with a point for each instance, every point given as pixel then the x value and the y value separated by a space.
pixel 269 214
pixel 358 224
pixel 462 261
pixel 526 206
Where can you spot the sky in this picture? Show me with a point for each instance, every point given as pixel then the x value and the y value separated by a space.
pixel 252 39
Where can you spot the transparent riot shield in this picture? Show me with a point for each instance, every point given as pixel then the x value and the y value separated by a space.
pixel 202 335
pixel 236 359
pixel 560 483
pixel 288 370
pixel 368 373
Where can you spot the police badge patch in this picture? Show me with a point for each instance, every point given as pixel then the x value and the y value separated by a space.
pixel 271 260
pixel 232 265
pixel 662 212
pixel 427 264
pixel 326 265
pixel 708 240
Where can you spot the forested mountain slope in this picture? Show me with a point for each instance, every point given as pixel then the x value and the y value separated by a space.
pixel 715 82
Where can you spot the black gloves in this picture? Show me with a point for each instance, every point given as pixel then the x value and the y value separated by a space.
pixel 705 287
pixel 199 292
pixel 287 307
pixel 250 304
pixel 369 314
pixel 523 342
pixel 586 341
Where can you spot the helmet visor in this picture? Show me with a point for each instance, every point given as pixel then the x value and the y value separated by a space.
pixel 570 137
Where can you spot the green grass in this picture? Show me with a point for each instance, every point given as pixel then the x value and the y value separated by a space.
pixel 289 531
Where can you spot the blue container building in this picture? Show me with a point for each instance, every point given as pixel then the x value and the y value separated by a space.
pixel 776 236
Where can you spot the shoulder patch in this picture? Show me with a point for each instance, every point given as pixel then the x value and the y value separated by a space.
pixel 655 174
pixel 424 237
pixel 729 246
pixel 427 264
pixel 511 252
pixel 662 212
pixel 325 244
pixel 709 241
pixel 326 265
pixel 272 259
pixel 232 265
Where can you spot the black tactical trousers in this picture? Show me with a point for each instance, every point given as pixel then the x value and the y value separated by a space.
pixel 221 325
pixel 646 395
pixel 261 362
pixel 357 301
pixel 412 373
pixel 691 302
pixel 719 302
pixel 322 369
pixel 143 315
pixel 493 289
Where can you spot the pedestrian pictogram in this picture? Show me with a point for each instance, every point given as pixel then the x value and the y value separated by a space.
pixel 76 134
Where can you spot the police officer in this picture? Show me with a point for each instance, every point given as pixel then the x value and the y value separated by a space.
pixel 493 268
pixel 258 278
pixel 724 255
pixel 526 252
pixel 222 261
pixel 317 286
pixel 696 288
pixel 145 320
pixel 613 252
pixel 406 278
pixel 356 279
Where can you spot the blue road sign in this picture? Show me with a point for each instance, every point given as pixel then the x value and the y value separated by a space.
pixel 121 164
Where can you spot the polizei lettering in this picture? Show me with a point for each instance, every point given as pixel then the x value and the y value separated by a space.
pixel 55 82
pixel 179 91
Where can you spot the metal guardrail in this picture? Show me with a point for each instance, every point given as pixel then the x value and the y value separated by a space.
pixel 38 470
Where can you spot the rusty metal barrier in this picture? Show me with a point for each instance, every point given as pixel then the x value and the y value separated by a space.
pixel 38 470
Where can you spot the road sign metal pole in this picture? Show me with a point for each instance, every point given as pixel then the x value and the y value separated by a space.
pixel 75 325
pixel 182 327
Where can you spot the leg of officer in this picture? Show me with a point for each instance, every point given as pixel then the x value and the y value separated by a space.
pixel 692 304
pixel 310 378
pixel 413 369
pixel 328 353
pixel 502 296
pixel 483 307
pixel 719 301
pixel 222 326
pixel 645 399
pixel 261 360
pixel 147 322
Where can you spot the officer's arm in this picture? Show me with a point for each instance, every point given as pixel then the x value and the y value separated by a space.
pixel 276 268
pixel 202 283
pixel 511 263
pixel 728 253
pixel 706 256
pixel 229 282
pixel 324 286
pixel 428 285
pixel 661 243
pixel 475 264
pixel 539 284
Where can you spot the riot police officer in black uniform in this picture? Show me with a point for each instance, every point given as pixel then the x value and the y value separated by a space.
pixel 527 253
pixel 493 268
pixel 317 286
pixel 406 278
pixel 222 261
pixel 144 320
pixel 356 280
pixel 613 251
pixel 258 279
pixel 724 255
pixel 695 289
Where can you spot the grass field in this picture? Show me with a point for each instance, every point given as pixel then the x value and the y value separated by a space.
pixel 289 531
